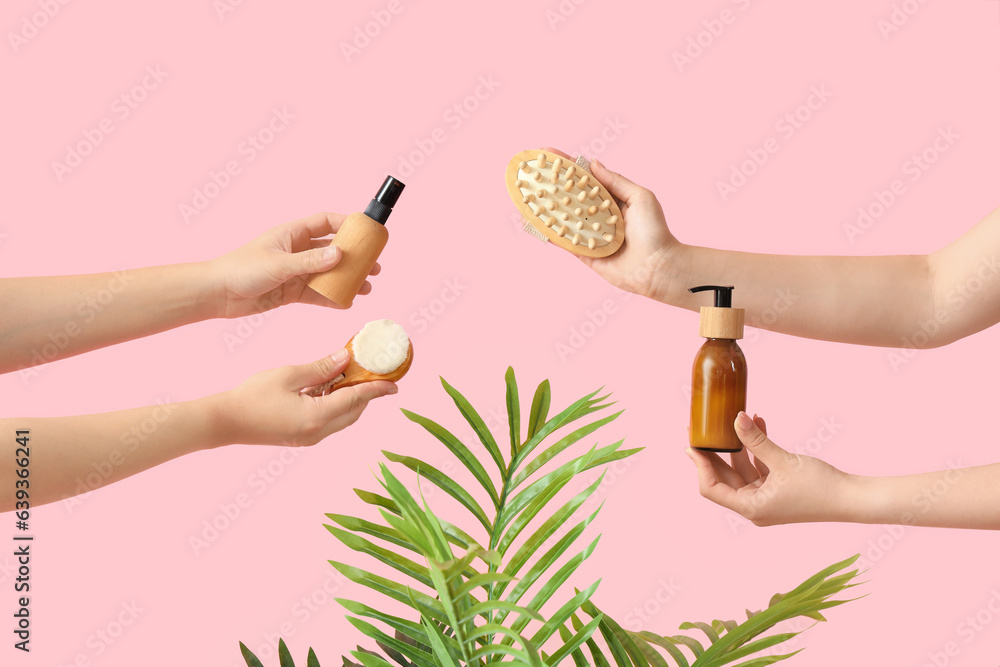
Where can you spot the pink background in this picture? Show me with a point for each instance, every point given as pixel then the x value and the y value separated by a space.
pixel 354 121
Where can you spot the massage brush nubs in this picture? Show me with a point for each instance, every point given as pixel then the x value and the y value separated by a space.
pixel 565 204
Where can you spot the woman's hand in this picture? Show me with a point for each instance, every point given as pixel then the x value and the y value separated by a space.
pixel 643 262
pixel 272 270
pixel 777 486
pixel 270 409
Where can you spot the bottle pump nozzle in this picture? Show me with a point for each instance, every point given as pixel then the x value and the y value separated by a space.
pixel 721 321
pixel 723 294
pixel 381 206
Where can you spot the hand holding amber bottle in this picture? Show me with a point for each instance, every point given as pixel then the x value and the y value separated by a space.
pixel 879 300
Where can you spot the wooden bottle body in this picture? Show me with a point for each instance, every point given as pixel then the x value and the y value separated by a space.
pixel 361 241
pixel 718 394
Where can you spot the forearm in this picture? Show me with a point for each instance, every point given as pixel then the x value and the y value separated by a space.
pixel 861 300
pixel 90 451
pixel 49 318
pixel 956 498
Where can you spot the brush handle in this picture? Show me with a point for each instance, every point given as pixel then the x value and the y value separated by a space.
pixel 354 373
pixel 361 241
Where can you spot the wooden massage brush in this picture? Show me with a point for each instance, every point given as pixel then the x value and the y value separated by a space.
pixel 563 203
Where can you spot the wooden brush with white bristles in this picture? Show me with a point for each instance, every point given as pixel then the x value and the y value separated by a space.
pixel 380 351
pixel 563 203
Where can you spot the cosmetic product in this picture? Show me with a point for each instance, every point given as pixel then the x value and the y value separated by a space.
pixel 380 351
pixel 361 239
pixel 719 377
pixel 563 203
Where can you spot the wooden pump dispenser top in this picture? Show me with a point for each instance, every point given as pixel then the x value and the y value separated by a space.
pixel 361 239
pixel 719 377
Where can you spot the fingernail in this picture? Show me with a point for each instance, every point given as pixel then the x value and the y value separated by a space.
pixel 330 252
pixel 393 390
pixel 743 421
pixel 340 356
pixel 690 453
pixel 597 162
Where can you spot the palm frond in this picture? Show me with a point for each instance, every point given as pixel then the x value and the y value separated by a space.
pixel 729 641
pixel 485 589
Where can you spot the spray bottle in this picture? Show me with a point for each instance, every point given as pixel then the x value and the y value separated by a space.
pixel 361 239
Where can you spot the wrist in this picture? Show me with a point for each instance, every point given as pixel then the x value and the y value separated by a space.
pixel 219 423
pixel 668 278
pixel 214 282
pixel 869 500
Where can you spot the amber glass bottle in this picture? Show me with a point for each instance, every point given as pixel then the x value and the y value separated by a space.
pixel 719 377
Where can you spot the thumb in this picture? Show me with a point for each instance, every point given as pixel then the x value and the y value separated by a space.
pixel 756 441
pixel 318 372
pixel 620 187
pixel 316 260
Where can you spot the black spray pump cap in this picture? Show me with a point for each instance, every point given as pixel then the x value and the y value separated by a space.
pixel 381 206
pixel 723 294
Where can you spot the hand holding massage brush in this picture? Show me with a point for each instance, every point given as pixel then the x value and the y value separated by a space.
pixel 380 351
pixel 563 203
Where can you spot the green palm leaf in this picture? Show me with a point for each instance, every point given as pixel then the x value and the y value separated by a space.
pixel 494 593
